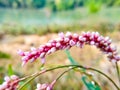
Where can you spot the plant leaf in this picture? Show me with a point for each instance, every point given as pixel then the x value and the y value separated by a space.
pixel 10 70
pixel 27 87
pixel 72 61
pixel 90 84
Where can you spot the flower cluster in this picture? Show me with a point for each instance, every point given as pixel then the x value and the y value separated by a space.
pixel 10 83
pixel 45 86
pixel 69 40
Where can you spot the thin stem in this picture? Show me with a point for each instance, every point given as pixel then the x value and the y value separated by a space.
pixel 22 86
pixel 118 73
pixel 74 66
pixel 105 76
pixel 33 76
pixel 64 73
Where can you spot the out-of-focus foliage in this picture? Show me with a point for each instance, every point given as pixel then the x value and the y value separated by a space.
pixel 51 4
pixel 38 3
pixel 117 3
pixel 4 55
pixel 93 5
pixel 57 4
pixel 2 69
pixel 64 4
pixel 10 70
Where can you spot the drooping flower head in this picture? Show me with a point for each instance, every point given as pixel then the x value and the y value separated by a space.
pixel 69 40
pixel 10 83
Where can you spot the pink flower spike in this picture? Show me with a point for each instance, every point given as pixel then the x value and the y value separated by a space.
pixel 24 58
pixel 53 49
pixel 2 87
pixel 26 53
pixel 32 60
pixel 69 40
pixel 33 48
pixel 78 44
pixel 41 86
pixel 45 86
pixel 68 34
pixel 92 43
pixel 14 77
pixel 75 35
pixel 48 44
pixel 10 84
pixel 23 63
pixel 20 52
pixel 72 43
pixel 43 60
pixel 96 34
pixel 61 34
pixel 66 39
pixel 42 55
pixel 6 78
pixel 57 44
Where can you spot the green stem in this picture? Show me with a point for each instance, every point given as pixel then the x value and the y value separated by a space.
pixel 22 86
pixel 74 66
pixel 64 73
pixel 33 76
pixel 118 73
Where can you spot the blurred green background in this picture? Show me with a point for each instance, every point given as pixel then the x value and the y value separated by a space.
pixel 27 23
pixel 42 16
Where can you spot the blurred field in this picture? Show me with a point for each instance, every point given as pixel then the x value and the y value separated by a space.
pixel 19 21
pixel 22 29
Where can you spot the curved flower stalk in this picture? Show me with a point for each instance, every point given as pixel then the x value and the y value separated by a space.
pixel 69 40
pixel 45 86
pixel 10 83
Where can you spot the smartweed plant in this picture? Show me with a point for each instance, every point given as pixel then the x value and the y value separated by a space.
pixel 64 42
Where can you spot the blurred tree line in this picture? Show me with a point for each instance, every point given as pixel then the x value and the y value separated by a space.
pixel 56 5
